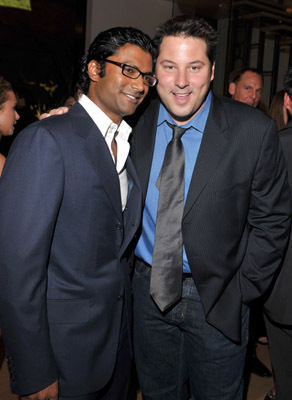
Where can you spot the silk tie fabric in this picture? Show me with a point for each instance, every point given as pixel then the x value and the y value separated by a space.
pixel 166 273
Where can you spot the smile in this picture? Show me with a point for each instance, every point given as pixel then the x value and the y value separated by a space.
pixel 181 94
pixel 132 97
pixel 181 98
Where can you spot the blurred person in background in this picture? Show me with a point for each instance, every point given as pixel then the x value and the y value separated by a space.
pixel 278 111
pixel 8 113
pixel 246 86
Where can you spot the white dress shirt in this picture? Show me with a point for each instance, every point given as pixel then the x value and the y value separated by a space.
pixel 108 129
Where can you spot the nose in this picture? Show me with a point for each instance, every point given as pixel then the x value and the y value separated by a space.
pixel 138 84
pixel 254 94
pixel 181 79
pixel 16 116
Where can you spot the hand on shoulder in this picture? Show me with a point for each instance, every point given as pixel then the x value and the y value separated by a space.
pixel 55 111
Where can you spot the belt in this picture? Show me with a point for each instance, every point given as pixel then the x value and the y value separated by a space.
pixel 185 275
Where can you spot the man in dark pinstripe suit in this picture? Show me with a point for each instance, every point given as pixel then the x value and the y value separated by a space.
pixel 235 222
pixel 279 304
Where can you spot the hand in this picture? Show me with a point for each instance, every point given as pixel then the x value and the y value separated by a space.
pixel 55 111
pixel 49 393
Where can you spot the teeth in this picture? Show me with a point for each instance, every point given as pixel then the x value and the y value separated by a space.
pixel 132 97
pixel 182 95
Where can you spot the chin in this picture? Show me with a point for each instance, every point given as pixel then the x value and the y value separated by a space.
pixel 182 118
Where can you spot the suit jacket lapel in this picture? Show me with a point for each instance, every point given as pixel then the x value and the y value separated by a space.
pixel 97 153
pixel 143 144
pixel 213 146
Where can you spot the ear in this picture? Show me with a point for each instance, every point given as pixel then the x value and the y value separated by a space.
pixel 213 71
pixel 231 88
pixel 287 101
pixel 93 70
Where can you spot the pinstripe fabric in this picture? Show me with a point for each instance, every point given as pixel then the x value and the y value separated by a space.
pixel 236 216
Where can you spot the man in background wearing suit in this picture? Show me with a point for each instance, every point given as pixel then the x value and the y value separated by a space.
pixel 70 205
pixel 278 306
pixel 215 222
pixel 246 85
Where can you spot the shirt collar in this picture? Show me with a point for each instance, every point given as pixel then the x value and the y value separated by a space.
pixel 103 122
pixel 198 122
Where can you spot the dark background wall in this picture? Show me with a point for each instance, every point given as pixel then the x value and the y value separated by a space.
pixel 39 53
pixel 40 48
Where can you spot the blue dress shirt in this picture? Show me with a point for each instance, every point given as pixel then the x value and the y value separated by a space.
pixel 191 140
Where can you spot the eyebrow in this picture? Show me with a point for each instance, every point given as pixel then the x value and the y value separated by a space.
pixel 252 86
pixel 189 63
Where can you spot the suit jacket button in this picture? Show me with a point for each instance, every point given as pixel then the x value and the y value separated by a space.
pixel 119 226
pixel 120 298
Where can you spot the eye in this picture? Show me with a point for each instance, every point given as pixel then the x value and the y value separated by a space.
pixel 149 80
pixel 168 67
pixel 130 70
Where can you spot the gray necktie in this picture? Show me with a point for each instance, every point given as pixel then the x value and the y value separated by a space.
pixel 166 273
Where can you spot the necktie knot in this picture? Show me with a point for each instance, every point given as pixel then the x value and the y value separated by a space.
pixel 177 131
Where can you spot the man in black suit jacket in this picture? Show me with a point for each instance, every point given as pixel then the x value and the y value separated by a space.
pixel 235 223
pixel 278 306
pixel 70 205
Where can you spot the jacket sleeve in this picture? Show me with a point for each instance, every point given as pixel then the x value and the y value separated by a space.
pixel 30 196
pixel 268 218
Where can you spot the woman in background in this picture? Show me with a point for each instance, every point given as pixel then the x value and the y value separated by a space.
pixel 8 113
pixel 278 111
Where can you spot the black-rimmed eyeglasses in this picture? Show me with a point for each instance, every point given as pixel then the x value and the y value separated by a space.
pixel 134 73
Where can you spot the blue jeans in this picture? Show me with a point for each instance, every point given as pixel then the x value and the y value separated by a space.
pixel 178 352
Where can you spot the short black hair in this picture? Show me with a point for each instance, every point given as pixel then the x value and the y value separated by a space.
pixel 187 26
pixel 106 44
pixel 236 75
pixel 288 82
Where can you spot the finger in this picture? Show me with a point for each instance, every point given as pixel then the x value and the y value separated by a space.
pixel 61 110
pixel 42 116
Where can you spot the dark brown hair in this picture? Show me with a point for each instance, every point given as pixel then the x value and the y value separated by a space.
pixel 187 26
pixel 276 109
pixel 5 87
